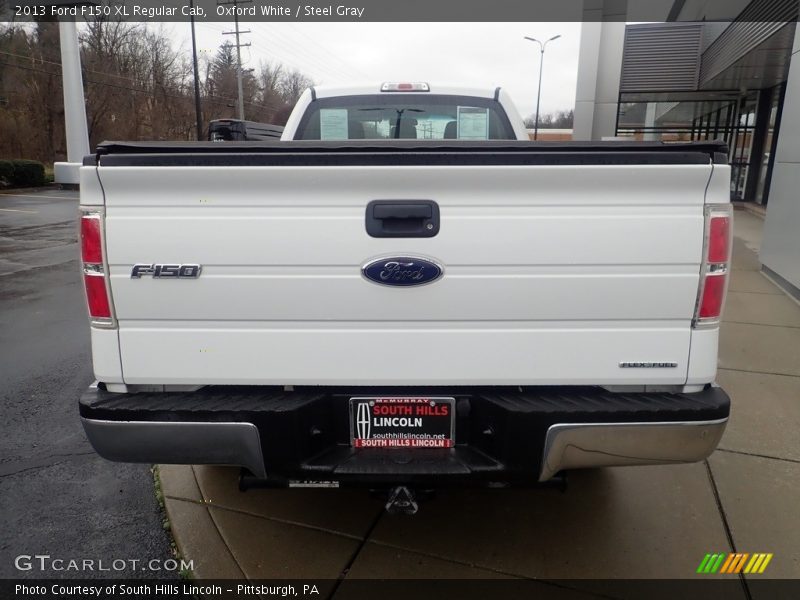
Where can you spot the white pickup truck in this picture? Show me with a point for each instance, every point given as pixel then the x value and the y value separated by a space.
pixel 404 291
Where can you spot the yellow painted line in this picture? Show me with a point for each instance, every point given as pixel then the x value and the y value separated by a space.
pixel 765 563
pixel 752 562
pixel 724 568
pixel 759 559
pixel 33 212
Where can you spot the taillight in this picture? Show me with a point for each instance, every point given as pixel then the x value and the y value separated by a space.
pixel 713 296
pixel 715 266
pixel 94 268
pixel 96 295
pixel 719 238
pixel 91 246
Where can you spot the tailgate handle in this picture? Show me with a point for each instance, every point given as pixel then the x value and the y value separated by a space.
pixel 403 211
pixel 402 218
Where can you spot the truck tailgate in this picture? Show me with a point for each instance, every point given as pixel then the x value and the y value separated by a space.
pixel 557 269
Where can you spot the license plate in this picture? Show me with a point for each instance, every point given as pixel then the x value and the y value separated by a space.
pixel 402 422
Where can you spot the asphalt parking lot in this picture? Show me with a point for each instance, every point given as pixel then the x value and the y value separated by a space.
pixel 57 497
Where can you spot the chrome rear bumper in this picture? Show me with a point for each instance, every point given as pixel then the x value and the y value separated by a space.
pixel 188 443
pixel 567 445
pixel 516 436
pixel 583 445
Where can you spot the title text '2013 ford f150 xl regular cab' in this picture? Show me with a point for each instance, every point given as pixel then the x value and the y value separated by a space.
pixel 403 292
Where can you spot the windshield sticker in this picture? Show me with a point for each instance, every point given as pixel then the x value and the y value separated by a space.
pixel 473 123
pixel 333 124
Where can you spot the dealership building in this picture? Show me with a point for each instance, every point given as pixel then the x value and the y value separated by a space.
pixel 709 70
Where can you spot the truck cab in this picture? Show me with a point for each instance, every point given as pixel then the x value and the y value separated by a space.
pixel 404 111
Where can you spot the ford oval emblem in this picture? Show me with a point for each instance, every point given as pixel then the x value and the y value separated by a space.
pixel 402 271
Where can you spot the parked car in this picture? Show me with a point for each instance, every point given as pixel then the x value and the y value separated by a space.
pixel 230 130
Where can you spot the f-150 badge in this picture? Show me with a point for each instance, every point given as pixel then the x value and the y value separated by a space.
pixel 402 271
pixel 166 271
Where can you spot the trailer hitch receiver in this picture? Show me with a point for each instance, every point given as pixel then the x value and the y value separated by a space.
pixel 402 501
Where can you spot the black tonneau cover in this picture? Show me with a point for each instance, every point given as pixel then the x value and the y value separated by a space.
pixel 406 152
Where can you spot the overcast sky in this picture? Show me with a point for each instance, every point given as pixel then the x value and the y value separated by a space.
pixel 474 54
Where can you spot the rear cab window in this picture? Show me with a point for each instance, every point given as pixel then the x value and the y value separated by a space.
pixel 405 116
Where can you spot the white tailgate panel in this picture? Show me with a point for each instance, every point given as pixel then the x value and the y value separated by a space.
pixel 553 274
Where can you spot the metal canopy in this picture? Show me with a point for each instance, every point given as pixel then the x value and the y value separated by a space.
pixel 765 66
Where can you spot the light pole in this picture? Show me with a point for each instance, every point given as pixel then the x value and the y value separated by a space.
pixel 77 136
pixel 542 46
pixel 197 112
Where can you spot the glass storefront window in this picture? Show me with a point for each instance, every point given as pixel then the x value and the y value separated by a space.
pixel 727 117
pixel 770 139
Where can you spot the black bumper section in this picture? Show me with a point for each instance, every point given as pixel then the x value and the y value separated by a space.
pixel 500 432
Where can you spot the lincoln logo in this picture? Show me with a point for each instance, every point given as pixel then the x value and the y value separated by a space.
pixel 363 421
pixel 402 271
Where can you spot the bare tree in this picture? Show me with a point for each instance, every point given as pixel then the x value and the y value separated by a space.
pixel 292 85
pixel 137 85
pixel 561 119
